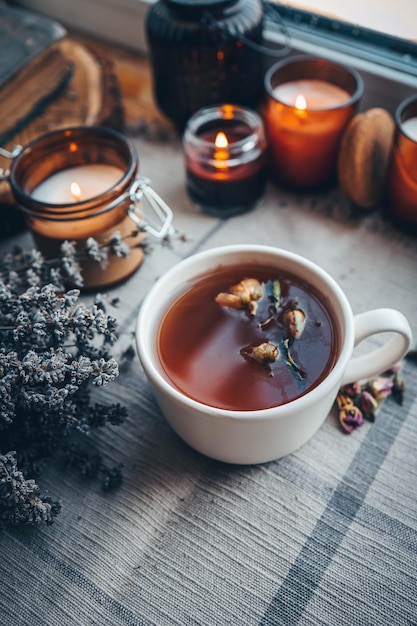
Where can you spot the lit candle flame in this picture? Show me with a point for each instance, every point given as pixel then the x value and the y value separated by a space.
pixel 75 191
pixel 300 103
pixel 221 152
pixel 221 141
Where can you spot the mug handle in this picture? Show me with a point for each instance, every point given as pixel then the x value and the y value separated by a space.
pixel 380 359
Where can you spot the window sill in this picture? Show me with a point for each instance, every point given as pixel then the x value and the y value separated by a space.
pixel 121 22
pixel 118 21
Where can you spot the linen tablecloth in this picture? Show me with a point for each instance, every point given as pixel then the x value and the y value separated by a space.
pixel 326 536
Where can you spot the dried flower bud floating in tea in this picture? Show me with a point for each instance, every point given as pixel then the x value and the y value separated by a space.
pixel 243 295
pixel 265 353
pixel 294 321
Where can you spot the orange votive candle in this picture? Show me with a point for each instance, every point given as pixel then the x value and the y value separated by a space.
pixel 402 172
pixel 308 104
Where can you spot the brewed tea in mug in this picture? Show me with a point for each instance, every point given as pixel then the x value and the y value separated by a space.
pixel 209 351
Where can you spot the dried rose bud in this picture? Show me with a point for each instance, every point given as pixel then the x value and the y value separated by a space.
pixel 248 289
pixel 350 418
pixel 380 387
pixel 352 389
pixel 294 321
pixel 343 401
pixel 229 300
pixel 243 295
pixel 369 405
pixel 398 389
pixel 264 353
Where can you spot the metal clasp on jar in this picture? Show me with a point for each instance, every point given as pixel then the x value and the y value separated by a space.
pixel 160 224
pixel 16 150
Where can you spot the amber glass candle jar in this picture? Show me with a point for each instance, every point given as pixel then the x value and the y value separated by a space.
pixel 402 171
pixel 76 183
pixel 308 103
pixel 201 54
pixel 225 159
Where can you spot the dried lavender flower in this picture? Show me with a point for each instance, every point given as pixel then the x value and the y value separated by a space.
pixel 118 246
pixel 20 500
pixel 22 268
pixel 54 351
pixel 96 252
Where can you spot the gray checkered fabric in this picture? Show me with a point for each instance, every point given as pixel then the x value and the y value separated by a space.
pixel 324 537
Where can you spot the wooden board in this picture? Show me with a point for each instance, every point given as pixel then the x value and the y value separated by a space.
pixel 141 114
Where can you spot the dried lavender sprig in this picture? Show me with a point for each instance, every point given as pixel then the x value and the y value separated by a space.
pixel 52 347
pixel 20 500
pixel 22 268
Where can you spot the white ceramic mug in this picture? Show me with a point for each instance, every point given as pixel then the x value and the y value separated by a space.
pixel 257 436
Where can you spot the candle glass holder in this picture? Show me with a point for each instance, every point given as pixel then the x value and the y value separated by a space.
pixel 402 171
pixel 304 138
pixel 229 179
pixel 116 208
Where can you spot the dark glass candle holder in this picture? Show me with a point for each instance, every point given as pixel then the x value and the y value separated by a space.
pixel 225 159
pixel 105 163
pixel 402 171
pixel 201 54
pixel 309 102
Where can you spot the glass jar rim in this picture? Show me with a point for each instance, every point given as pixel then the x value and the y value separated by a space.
pixel 406 107
pixel 232 112
pixel 75 132
pixel 309 60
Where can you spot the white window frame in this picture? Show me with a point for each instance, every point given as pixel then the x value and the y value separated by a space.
pixel 118 21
